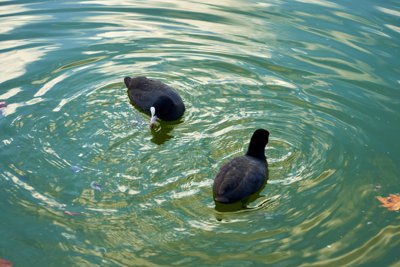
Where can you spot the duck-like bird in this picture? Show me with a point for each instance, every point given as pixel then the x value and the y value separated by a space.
pixel 154 98
pixel 244 175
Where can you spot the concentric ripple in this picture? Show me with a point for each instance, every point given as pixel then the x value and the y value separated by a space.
pixel 94 186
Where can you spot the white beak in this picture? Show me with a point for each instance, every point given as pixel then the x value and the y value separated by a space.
pixel 153 116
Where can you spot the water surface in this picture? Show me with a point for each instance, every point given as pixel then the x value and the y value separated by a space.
pixel 321 76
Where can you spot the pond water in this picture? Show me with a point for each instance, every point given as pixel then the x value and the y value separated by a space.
pixel 84 182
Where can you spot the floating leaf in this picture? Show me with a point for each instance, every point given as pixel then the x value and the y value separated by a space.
pixel 5 263
pixel 392 202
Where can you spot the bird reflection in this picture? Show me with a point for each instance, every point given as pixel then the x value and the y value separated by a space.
pixel 162 133
pixel 240 205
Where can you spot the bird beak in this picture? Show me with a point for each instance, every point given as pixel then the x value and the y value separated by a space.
pixel 152 121
pixel 153 117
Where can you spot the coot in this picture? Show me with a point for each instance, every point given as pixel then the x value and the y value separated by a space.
pixel 154 98
pixel 244 175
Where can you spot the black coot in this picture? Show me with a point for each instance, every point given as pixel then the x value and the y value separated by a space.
pixel 244 175
pixel 154 98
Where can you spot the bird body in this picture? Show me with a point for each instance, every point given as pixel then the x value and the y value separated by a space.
pixel 244 175
pixel 146 93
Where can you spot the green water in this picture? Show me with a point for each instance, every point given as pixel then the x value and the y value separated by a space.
pixel 321 76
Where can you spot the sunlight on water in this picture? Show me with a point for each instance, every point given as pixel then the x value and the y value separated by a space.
pixel 83 178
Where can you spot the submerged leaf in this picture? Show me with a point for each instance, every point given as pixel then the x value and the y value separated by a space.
pixel 392 202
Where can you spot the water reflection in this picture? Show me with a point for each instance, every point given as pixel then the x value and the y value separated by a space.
pixel 18 61
pixel 12 17
pixel 324 83
pixel 22 54
pixel 243 204
pixel 162 133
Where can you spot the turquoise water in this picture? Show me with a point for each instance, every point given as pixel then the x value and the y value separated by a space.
pixel 321 76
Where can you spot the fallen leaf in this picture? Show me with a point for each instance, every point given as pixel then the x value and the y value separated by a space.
pixel 392 202
pixel 5 263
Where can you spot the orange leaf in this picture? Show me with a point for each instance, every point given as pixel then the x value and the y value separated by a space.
pixel 392 202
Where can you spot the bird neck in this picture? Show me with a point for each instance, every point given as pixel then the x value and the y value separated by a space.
pixel 256 151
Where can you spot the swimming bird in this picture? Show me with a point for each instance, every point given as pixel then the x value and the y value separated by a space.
pixel 155 98
pixel 244 175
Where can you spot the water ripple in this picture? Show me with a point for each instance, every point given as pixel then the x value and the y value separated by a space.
pixel 316 81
